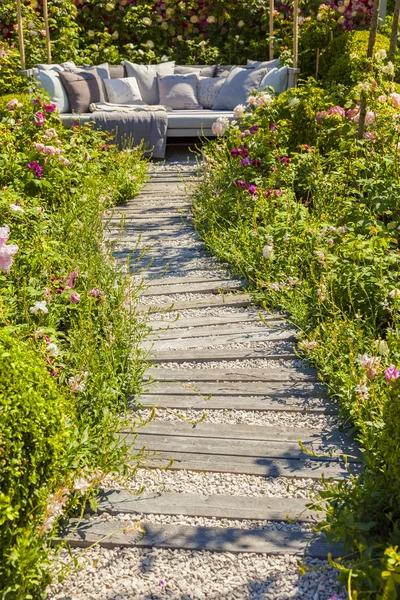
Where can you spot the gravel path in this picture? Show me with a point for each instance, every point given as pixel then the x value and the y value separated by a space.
pixel 154 574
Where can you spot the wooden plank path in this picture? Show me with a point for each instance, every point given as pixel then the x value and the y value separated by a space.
pixel 214 353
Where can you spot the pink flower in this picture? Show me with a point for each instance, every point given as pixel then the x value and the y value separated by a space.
pixel 39 119
pixel 370 117
pixel 39 147
pixel 64 161
pixel 13 104
pixel 7 251
pixel 49 108
pixel 245 162
pixel 71 279
pixel 252 189
pixel 392 373
pixel 395 98
pixel 330 241
pixel 353 114
pixel 320 116
pixel 337 110
pixel 75 298
pixel 95 293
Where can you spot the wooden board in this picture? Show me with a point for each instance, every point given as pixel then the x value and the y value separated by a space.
pixel 249 465
pixel 264 449
pixel 278 389
pixel 209 321
pixel 221 354
pixel 161 281
pixel 264 374
pixel 204 288
pixel 216 402
pixel 227 329
pixel 116 502
pixel 114 534
pixel 237 431
pixel 228 300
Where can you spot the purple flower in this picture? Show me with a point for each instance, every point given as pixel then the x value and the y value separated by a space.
pixel 245 162
pixel 307 148
pixel 277 193
pixel 285 160
pixel 244 133
pixel 254 129
pixel 256 163
pixel 243 152
pixel 39 119
pixel 267 193
pixel 34 167
pixel 241 184
pixel 235 152
pixel 74 298
pixel 95 293
pixel 392 373
pixel 252 189
pixel 71 279
pixel 272 127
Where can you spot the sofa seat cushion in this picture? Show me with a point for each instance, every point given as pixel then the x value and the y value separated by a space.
pixel 192 119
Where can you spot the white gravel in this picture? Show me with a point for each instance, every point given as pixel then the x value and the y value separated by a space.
pixel 256 363
pixel 159 480
pixel 242 417
pixel 180 297
pixel 144 574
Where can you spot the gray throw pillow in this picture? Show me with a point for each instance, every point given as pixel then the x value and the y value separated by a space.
pixel 102 70
pixel 50 81
pixel 179 91
pixel 146 76
pixel 266 64
pixel 117 71
pixel 82 89
pixel 277 79
pixel 208 90
pixel 56 67
pixel 202 71
pixel 223 70
pixel 237 87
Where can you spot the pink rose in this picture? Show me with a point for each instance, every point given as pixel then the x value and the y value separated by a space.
pixel 75 298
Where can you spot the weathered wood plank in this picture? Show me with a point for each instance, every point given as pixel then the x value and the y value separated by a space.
pixel 215 330
pixel 324 451
pixel 243 375
pixel 116 534
pixel 212 288
pixel 186 280
pixel 277 389
pixel 225 300
pixel 219 355
pixel 216 340
pixel 245 432
pixel 206 321
pixel 116 502
pixel 216 402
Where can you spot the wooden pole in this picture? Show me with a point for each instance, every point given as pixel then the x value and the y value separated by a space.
pixel 47 30
pixel 395 28
pixel 21 35
pixel 317 66
pixel 295 37
pixel 271 29
pixel 370 53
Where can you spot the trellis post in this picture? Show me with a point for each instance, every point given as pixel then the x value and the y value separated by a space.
pixel 271 29
pixel 20 26
pixel 47 30
pixel 295 38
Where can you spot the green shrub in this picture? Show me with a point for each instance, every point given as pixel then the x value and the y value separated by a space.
pixel 344 60
pixel 33 442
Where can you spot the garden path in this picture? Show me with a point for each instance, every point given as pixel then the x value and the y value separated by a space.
pixel 239 472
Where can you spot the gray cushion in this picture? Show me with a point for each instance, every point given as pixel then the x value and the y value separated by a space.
pixel 208 90
pixel 55 67
pixel 223 70
pixel 191 119
pixel 277 79
pixel 202 71
pixel 146 76
pixel 82 89
pixel 237 87
pixel 266 64
pixel 50 81
pixel 179 91
pixel 101 70
pixel 117 71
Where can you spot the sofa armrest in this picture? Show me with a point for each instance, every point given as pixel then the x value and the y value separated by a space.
pixel 292 77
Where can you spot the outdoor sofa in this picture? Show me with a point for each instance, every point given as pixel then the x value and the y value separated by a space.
pixel 156 102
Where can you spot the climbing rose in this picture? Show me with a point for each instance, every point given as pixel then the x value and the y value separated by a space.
pixel 337 110
pixel 264 100
pixel 13 104
pixel 49 108
pixel 7 251
pixel 239 111
pixel 220 126
pixel 64 161
pixel 395 98
pixel 392 373
pixel 38 119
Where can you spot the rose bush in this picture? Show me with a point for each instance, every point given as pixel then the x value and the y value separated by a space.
pixel 311 216
pixel 67 328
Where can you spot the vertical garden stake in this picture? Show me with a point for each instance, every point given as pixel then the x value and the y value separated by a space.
pixel 20 35
pixel 271 29
pixel 370 53
pixel 47 30
pixel 295 37
pixel 317 66
pixel 395 28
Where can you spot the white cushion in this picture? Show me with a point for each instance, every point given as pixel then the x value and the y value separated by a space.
pixel 146 77
pixel 179 91
pixel 50 81
pixel 277 79
pixel 123 91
